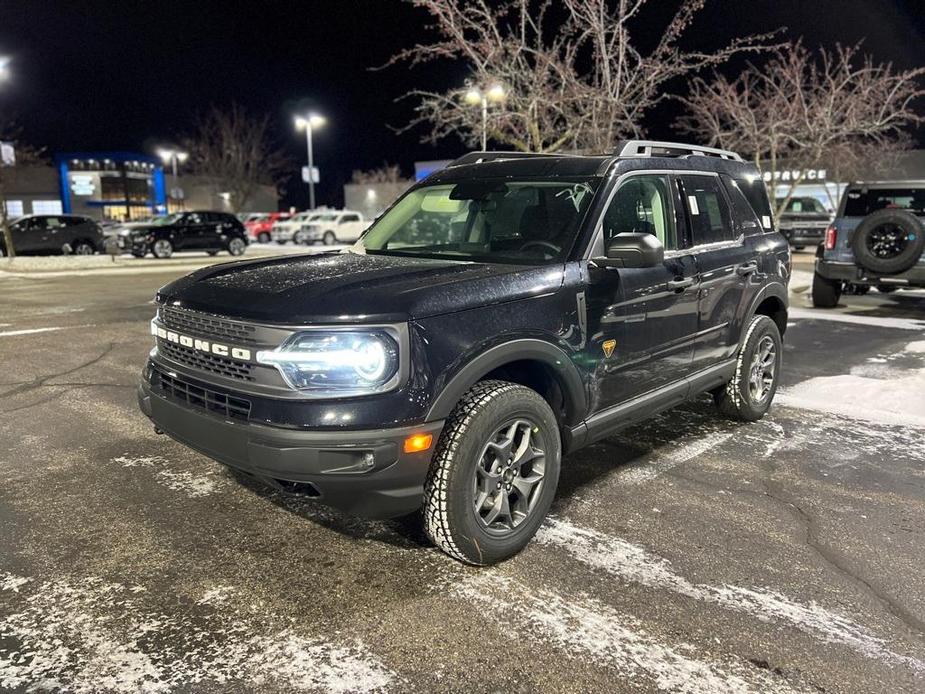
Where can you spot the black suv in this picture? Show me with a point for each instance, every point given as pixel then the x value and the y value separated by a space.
pixel 54 233
pixel 196 230
pixel 502 313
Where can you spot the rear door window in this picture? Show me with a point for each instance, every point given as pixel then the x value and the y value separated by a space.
pixel 744 215
pixel 707 210
pixel 860 202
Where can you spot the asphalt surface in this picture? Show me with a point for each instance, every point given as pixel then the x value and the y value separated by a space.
pixel 687 554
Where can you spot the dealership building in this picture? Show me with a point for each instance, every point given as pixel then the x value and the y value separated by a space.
pixel 116 186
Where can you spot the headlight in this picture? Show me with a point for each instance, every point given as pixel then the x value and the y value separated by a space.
pixel 345 362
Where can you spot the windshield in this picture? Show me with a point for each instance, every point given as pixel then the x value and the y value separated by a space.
pixel 168 220
pixel 860 202
pixel 804 205
pixel 499 221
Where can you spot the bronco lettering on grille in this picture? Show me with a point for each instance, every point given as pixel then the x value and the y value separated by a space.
pixel 201 345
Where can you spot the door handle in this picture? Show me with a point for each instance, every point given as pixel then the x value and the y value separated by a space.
pixel 677 285
pixel 745 269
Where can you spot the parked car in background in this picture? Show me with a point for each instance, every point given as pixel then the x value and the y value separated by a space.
pixel 804 222
pixel 338 226
pixel 196 230
pixel 877 240
pixel 52 234
pixel 260 226
pixel 287 230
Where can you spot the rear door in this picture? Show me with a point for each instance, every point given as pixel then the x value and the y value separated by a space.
pixel 349 227
pixel 641 321
pixel 28 234
pixel 727 265
pixel 191 232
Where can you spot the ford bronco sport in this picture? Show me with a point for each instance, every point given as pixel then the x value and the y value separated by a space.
pixel 504 312
pixel 877 240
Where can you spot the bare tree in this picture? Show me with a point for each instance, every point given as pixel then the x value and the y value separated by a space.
pixel 798 111
pixel 24 156
pixel 234 151
pixel 387 173
pixel 577 83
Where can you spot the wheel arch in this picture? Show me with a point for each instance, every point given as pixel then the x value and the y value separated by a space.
pixel 772 302
pixel 534 363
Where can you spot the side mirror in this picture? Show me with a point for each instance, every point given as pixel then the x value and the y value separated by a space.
pixel 632 250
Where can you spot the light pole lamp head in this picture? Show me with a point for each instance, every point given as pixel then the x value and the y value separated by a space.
pixel 312 120
pixel 4 67
pixel 165 154
pixel 473 97
pixel 182 156
pixel 496 93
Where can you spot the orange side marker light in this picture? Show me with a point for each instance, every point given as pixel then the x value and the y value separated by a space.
pixel 418 443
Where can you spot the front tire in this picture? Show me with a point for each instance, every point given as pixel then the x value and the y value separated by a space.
pixel 494 473
pixel 748 396
pixel 826 292
pixel 84 248
pixel 263 238
pixel 329 238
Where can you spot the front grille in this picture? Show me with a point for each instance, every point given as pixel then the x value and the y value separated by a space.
pixel 176 388
pixel 185 321
pixel 211 363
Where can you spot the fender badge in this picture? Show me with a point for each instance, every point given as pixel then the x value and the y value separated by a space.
pixel 608 346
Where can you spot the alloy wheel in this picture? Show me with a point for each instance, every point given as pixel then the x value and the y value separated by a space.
pixel 887 241
pixel 236 246
pixel 83 249
pixel 162 248
pixel 509 476
pixel 762 370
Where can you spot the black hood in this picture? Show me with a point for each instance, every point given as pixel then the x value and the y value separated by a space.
pixel 351 288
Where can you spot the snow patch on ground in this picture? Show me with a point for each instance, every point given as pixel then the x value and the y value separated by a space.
pixel 896 401
pixel 90 635
pixel 917 347
pixel 11 582
pixel 661 461
pixel 867 321
pixel 635 564
pixel 192 485
pixel 583 626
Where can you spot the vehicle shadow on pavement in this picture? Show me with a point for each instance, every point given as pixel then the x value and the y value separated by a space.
pixel 406 532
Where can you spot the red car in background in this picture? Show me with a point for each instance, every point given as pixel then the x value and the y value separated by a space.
pixel 258 225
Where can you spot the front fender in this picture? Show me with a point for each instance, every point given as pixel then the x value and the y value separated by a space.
pixel 565 371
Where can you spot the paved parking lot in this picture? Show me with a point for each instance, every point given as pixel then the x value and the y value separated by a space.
pixel 688 554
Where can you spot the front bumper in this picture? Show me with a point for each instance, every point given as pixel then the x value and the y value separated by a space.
pixel 850 272
pixel 364 473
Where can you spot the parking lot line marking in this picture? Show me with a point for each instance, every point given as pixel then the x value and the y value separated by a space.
pixel 584 627
pixel 635 564
pixel 32 331
pixel 867 321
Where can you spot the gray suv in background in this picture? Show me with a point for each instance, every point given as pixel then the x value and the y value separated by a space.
pixel 877 240
pixel 804 221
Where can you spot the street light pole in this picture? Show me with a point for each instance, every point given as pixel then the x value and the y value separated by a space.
pixel 311 166
pixel 309 122
pixel 174 157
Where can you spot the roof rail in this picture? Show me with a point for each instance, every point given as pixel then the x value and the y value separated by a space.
pixel 477 157
pixel 652 148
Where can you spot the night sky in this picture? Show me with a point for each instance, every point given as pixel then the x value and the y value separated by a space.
pixel 128 75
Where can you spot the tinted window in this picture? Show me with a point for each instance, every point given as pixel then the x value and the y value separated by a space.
pixel 742 210
pixel 804 205
pixel 193 218
pixel 350 218
pixel 642 204
pixel 707 210
pixel 752 187
pixel 860 202
pixel 54 222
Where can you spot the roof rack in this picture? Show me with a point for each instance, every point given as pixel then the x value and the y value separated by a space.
pixel 652 148
pixel 478 157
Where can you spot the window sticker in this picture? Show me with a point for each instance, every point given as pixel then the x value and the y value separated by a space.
pixel 766 221
pixel 576 194
pixel 692 203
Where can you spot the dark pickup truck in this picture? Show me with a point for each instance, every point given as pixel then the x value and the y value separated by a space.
pixel 504 312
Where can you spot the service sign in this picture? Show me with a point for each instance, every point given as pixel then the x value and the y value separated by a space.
pixel 794 175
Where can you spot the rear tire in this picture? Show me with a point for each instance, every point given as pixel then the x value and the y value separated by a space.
pixel 748 396
pixel 84 248
pixel 886 288
pixel 826 292
pixel 494 473
pixel 263 238
pixel 162 248
pixel 329 238
pixel 236 246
